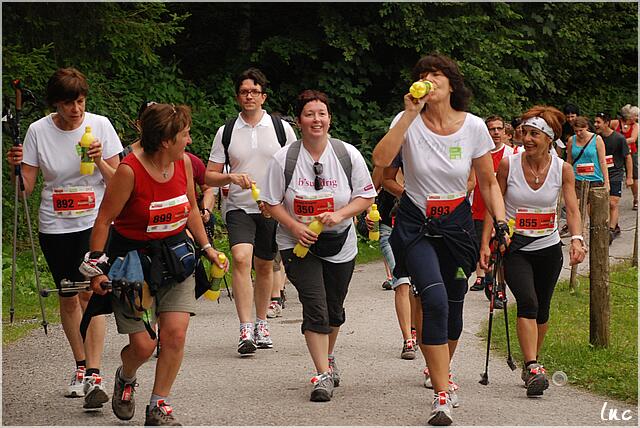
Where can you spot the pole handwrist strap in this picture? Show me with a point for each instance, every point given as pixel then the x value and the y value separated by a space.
pixel 95 263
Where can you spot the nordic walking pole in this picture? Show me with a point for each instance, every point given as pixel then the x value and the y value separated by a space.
pixel 503 290
pixel 484 380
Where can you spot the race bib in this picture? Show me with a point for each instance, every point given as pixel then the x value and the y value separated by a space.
pixel 74 202
pixel 585 168
pixel 609 160
pixel 535 222
pixel 169 215
pixel 439 204
pixel 307 207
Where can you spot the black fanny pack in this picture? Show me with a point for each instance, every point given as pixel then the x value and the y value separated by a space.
pixel 330 243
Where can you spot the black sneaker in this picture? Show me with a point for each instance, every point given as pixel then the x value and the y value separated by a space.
pixel 478 285
pixel 161 415
pixel 535 380
pixel 387 285
pixel 123 401
pixel 322 387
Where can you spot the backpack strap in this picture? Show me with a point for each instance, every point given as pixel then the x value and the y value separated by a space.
pixel 279 127
pixel 343 157
pixel 226 138
pixel 339 149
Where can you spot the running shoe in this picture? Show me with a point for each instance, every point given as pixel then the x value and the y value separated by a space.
pixel 246 344
pixel 427 378
pixel 262 335
pixel 161 415
pixel 453 392
pixel 635 205
pixel 478 285
pixel 408 350
pixel 274 310
pixel 322 387
pixel 76 387
pixel 441 410
pixel 536 381
pixel 414 335
pixel 94 394
pixel 616 231
pixel 123 401
pixel 335 372
pixel 386 285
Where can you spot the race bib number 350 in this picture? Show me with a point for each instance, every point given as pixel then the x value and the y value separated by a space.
pixel 535 222
pixel 306 208
pixel 439 204
pixel 165 216
pixel 74 201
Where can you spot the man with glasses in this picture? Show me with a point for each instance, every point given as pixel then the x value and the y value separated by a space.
pixel 252 143
pixel 495 125
pixel 618 159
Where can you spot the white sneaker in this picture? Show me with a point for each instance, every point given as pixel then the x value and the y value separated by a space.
pixel 94 394
pixel 453 394
pixel 274 310
pixel 427 378
pixel 76 387
pixel 262 335
pixel 441 410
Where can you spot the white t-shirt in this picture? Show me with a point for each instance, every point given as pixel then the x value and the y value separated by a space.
pixel 440 164
pixel 250 150
pixel 336 186
pixel 54 151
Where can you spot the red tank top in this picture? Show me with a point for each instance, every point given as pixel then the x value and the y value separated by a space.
pixel 633 147
pixel 154 210
pixel 479 209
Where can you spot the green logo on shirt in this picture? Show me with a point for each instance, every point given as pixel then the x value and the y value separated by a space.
pixel 455 152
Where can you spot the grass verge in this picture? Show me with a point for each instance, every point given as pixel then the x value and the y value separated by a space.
pixel 612 371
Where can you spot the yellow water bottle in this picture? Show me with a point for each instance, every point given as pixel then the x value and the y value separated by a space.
pixel 255 192
pixel 374 216
pixel 216 274
pixel 420 88
pixel 512 226
pixel 86 163
pixel 300 250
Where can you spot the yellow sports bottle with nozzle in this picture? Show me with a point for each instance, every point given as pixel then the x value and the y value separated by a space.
pixel 86 162
pixel 420 88
pixel 300 250
pixel 374 216
pixel 215 278
pixel 255 192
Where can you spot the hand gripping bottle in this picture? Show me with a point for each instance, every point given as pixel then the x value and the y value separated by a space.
pixel 86 163
pixel 420 88
pixel 374 216
pixel 300 250
pixel 215 278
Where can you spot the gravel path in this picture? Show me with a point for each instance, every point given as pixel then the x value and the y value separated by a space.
pixel 216 387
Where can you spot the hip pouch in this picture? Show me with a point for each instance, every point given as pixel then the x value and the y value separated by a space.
pixel 169 261
pixel 329 243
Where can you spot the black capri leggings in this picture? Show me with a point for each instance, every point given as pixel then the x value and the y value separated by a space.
pixel 322 287
pixel 433 273
pixel 64 253
pixel 532 277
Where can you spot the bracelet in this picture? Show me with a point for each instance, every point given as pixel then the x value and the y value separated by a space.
pixel 206 247
pixel 578 237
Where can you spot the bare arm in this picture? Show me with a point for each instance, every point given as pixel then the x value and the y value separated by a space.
pixel 389 181
pixel 577 249
pixel 487 228
pixel 602 161
pixel 471 180
pixel 569 155
pixel 215 177
pixel 629 169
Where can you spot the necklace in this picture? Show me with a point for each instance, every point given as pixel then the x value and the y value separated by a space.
pixel 537 176
pixel 164 172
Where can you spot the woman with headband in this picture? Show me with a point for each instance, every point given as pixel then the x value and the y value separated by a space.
pixel 531 182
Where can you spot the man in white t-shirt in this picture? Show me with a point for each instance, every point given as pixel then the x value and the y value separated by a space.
pixel 252 143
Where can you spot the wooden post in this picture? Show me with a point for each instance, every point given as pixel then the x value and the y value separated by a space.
pixel 584 200
pixel 599 295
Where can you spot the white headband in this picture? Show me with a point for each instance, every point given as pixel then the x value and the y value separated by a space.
pixel 540 124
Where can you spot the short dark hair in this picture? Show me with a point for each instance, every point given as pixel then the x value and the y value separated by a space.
pixel 571 109
pixel 254 74
pixel 162 122
pixel 516 122
pixel 604 116
pixel 307 96
pixel 437 62
pixel 66 84
pixel 493 119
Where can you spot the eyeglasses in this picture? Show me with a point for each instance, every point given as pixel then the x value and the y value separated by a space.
pixel 495 129
pixel 317 170
pixel 252 92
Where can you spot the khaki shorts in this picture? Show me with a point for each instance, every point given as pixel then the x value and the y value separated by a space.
pixel 177 298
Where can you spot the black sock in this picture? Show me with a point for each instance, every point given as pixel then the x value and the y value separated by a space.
pixel 81 363
pixel 90 372
pixel 526 364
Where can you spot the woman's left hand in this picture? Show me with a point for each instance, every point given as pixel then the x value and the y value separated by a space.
pixel 95 151
pixel 330 218
pixel 577 252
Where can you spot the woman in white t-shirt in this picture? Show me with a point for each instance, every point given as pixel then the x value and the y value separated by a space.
pixel 68 208
pixel 531 182
pixel 433 239
pixel 318 188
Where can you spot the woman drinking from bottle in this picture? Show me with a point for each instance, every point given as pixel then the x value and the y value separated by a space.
pixel 531 182
pixel 324 179
pixel 433 239
pixel 151 200
pixel 68 207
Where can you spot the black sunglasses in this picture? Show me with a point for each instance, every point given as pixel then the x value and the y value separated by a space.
pixel 317 170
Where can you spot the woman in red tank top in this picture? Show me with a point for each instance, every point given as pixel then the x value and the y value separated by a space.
pixel 151 198
pixel 628 126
